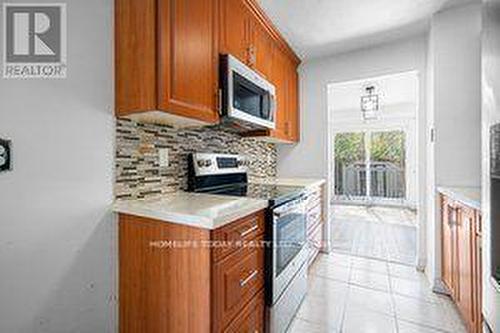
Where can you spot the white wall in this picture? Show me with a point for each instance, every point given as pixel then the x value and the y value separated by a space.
pixel 310 158
pixel 454 112
pixel 490 116
pixel 57 235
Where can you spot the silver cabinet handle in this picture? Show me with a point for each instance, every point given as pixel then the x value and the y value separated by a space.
pixel 248 278
pixel 249 230
pixel 452 216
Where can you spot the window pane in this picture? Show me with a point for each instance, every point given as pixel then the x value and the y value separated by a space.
pixel 387 165
pixel 350 169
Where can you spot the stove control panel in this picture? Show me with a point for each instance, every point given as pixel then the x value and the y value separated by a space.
pixel 206 164
pixel 5 155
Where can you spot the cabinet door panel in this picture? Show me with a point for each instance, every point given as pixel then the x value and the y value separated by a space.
pixel 293 104
pixel 279 80
pixel 135 56
pixel 465 263
pixel 234 28
pixel 262 49
pixel 237 279
pixel 448 244
pixel 477 279
pixel 251 318
pixel 188 58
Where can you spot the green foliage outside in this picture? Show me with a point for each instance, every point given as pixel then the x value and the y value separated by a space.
pixel 388 147
pixel 349 147
pixel 385 147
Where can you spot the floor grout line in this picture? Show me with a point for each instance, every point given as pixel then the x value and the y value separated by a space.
pixel 350 284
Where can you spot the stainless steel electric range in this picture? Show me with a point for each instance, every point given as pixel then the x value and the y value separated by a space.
pixel 286 257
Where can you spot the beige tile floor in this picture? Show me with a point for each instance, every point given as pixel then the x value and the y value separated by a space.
pixel 376 232
pixel 352 294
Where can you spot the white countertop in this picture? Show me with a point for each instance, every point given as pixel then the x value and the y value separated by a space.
pixel 302 182
pixel 470 196
pixel 194 209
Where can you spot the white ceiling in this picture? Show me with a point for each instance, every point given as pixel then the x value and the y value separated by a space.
pixel 316 28
pixel 392 90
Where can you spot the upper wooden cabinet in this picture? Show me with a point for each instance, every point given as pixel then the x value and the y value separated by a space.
pixel 188 58
pixel 167 59
pixel 247 33
pixel 285 78
pixel 262 50
pixel 234 30
pixel 135 56
pixel 243 35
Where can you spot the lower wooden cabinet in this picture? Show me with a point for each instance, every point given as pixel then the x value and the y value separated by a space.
pixel 236 280
pixel 461 259
pixel 250 319
pixel 171 281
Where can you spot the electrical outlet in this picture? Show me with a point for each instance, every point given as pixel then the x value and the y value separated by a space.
pixel 5 155
pixel 163 156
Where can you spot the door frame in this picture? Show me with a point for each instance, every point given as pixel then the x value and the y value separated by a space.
pixel 422 160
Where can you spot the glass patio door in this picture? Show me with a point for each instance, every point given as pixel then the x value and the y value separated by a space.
pixel 370 165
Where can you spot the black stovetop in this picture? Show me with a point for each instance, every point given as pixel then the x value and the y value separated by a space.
pixel 275 194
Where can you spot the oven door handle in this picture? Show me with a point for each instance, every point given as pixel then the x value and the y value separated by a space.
pixel 288 212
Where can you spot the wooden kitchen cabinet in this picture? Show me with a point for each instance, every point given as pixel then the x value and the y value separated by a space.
pixel 285 78
pixel 449 218
pixel 477 291
pixel 188 58
pixel 315 217
pixel 293 116
pixel 190 287
pixel 244 35
pixel 167 60
pixel 262 49
pixel 234 29
pixel 461 259
pixel 247 33
pixel 465 269
pixel 279 79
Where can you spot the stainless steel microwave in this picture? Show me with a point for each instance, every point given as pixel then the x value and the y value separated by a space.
pixel 248 100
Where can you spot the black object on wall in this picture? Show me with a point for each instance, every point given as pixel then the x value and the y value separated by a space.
pixel 495 200
pixel 5 155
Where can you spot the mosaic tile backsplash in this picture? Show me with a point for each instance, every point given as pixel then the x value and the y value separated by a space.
pixel 138 174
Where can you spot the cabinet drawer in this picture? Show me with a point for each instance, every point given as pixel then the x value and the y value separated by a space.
pixel 231 237
pixel 314 199
pixel 314 217
pixel 237 279
pixel 251 319
pixel 315 238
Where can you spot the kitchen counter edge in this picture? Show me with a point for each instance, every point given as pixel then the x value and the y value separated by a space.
pixel 164 208
pixel 469 196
